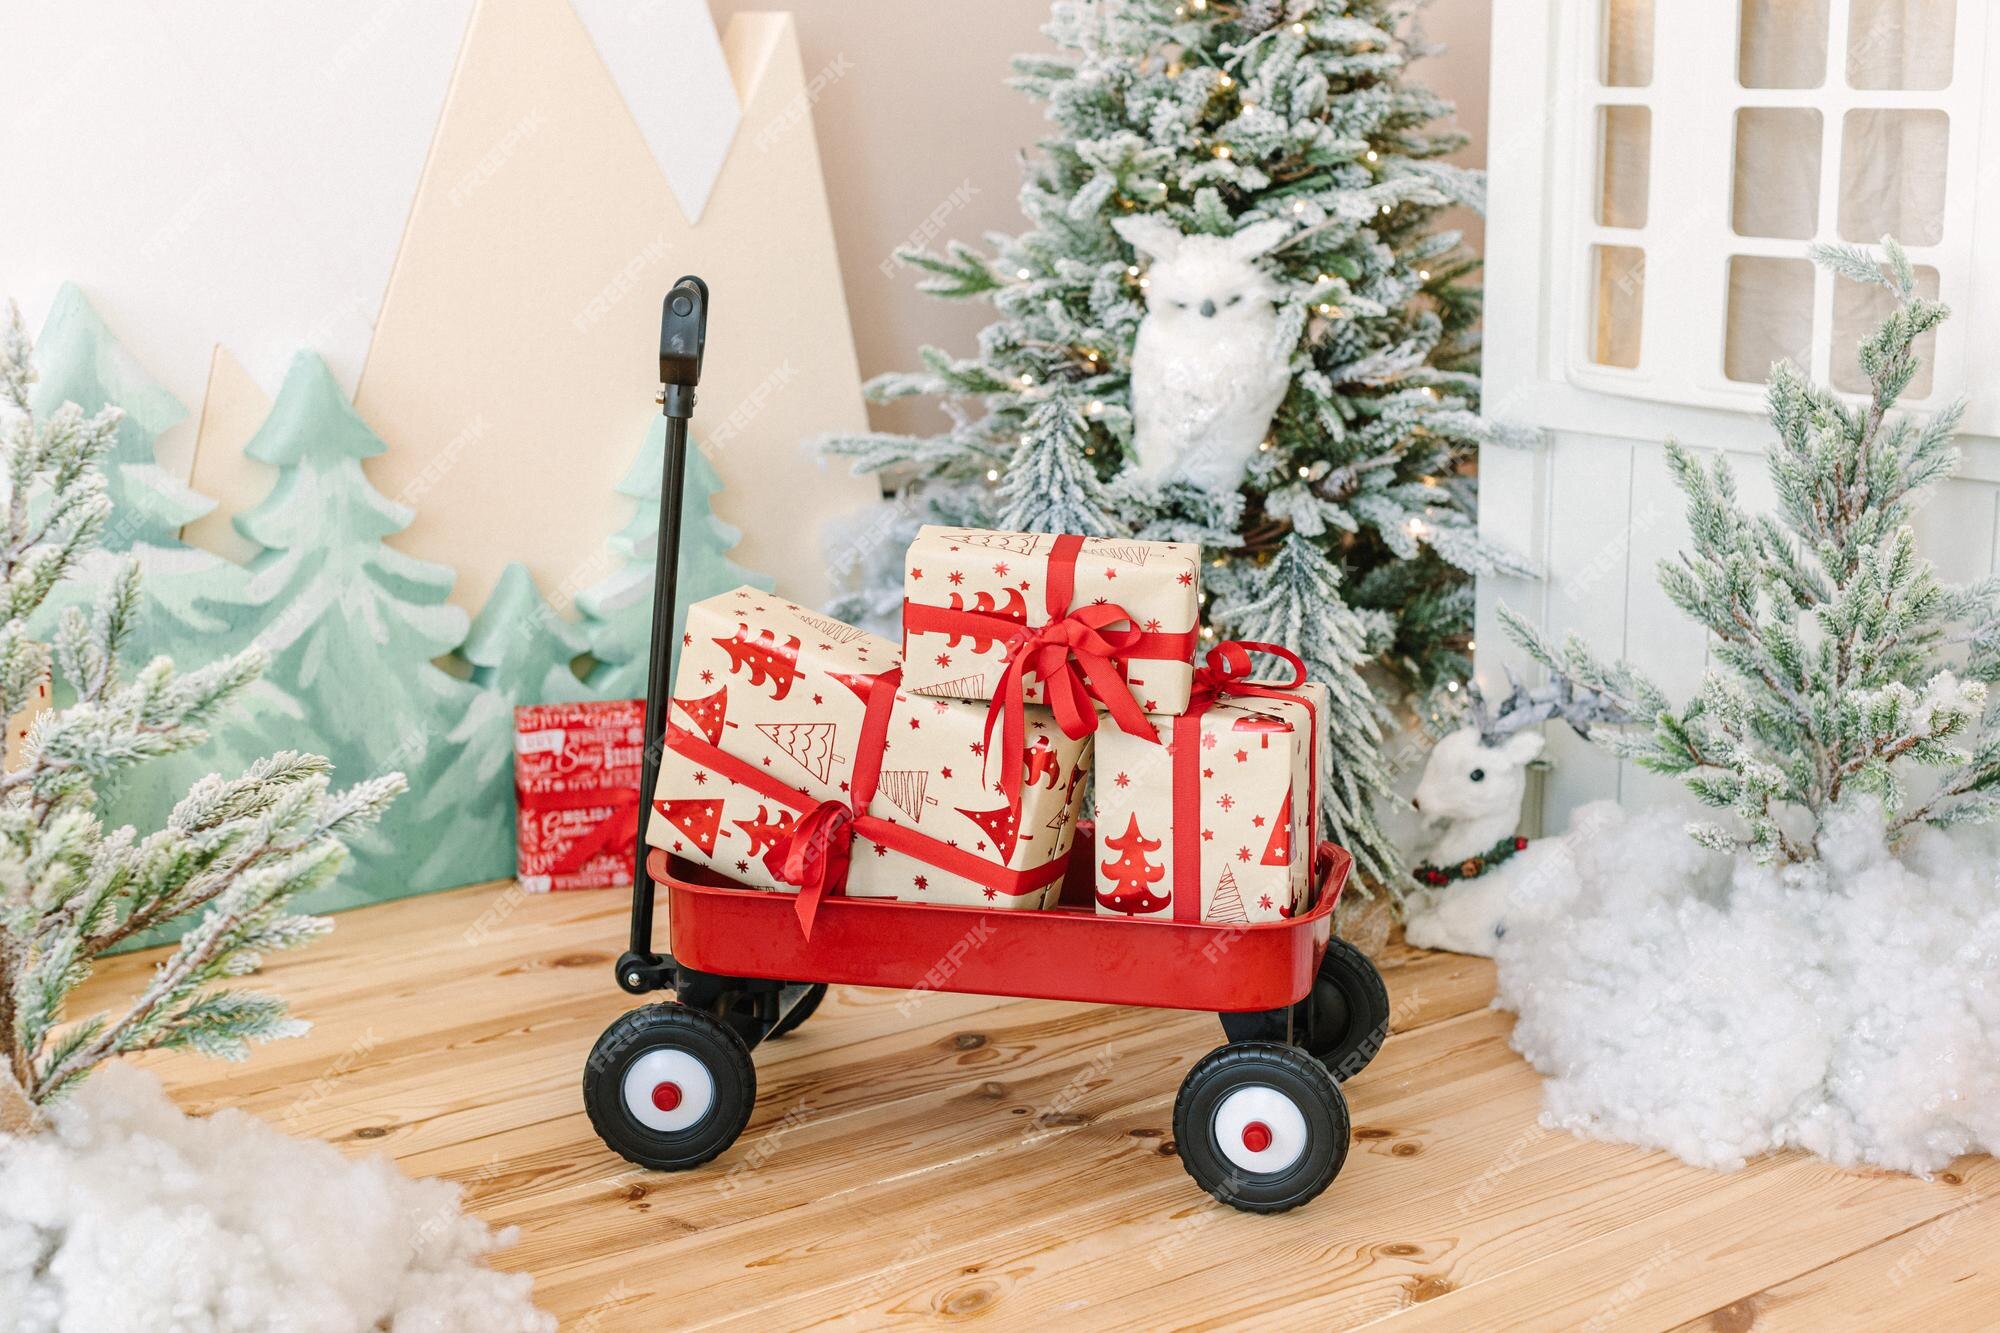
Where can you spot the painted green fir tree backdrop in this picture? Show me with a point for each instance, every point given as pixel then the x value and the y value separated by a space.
pixel 1351 536
pixel 355 629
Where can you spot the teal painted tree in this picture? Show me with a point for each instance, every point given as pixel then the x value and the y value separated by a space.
pixel 82 363
pixel 519 648
pixel 352 628
pixel 618 610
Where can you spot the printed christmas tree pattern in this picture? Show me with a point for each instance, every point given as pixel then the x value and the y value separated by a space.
pixel 905 789
pixel 1226 908
pixel 1020 543
pixel 698 819
pixel 709 713
pixel 765 832
pixel 766 659
pixel 1278 851
pixel 1134 872
pixel 1002 826
pixel 809 743
pixel 618 610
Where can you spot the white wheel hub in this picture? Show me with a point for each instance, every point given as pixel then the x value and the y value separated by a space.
pixel 1259 1129
pixel 668 1091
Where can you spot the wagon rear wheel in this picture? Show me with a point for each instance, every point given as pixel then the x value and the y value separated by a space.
pixel 1348 1011
pixel 1261 1125
pixel 800 1012
pixel 669 1087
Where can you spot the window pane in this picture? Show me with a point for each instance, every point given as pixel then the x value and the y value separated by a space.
pixel 1776 190
pixel 1620 281
pixel 1892 176
pixel 1901 43
pixel 1770 315
pixel 1628 43
pixel 1626 142
pixel 1781 44
pixel 1856 312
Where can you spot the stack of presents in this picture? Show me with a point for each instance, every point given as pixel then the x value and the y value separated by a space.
pixel 805 755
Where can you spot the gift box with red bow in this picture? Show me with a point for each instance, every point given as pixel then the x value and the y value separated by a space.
pixel 1215 822
pixel 576 793
pixel 976 603
pixel 797 759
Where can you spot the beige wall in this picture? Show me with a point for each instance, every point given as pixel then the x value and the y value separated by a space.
pixel 913 119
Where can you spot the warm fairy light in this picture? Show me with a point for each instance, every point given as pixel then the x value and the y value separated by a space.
pixel 1207 633
pixel 1095 409
pixel 1264 446
pixel 1471 647
pixel 1385 210
pixel 1226 83
pixel 1305 472
pixel 1222 150
pixel 993 474
pixel 1145 282
pixel 1430 481
pixel 1417 528
pixel 1423 275
pixel 1299 28
pixel 1325 309
pixel 1131 270
pixel 1451 685
pixel 1299 206
pixel 1174 70
pixel 1371 155
pixel 1429 392
pixel 1026 378
pixel 1020 273
pixel 1248 105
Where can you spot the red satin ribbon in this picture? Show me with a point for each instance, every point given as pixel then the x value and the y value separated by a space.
pixel 624 802
pixel 1225 674
pixel 817 853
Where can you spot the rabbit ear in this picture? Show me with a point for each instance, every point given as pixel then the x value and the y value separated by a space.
pixel 1150 235
pixel 1259 238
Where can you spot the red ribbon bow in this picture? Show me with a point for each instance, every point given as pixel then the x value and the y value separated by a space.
pixel 1227 668
pixel 814 856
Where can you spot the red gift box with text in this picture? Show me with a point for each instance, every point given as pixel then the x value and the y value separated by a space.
pixel 576 793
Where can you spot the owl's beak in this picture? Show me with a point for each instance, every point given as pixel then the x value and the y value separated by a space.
pixel 1207 309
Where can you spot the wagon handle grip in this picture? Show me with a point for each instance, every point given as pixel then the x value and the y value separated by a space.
pixel 683 338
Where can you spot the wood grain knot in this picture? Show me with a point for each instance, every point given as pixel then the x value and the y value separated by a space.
pixel 581 960
pixel 968 1041
pixel 1406 1149
pixel 970 1299
pixel 372 1132
pixel 1148 1133
pixel 1401 1247
pixel 1429 1288
pixel 992 1091
pixel 1737 1317
pixel 1371 1132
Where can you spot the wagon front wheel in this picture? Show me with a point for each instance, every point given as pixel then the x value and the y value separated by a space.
pixel 1348 1018
pixel 1261 1125
pixel 669 1087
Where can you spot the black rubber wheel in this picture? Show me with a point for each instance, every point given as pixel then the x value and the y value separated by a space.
pixel 1349 1017
pixel 1262 1126
pixel 669 1087
pixel 814 993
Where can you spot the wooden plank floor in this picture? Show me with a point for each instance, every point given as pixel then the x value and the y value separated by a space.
pixel 1008 1162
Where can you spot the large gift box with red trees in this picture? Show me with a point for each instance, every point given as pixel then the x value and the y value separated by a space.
pixel 783 724
pixel 1211 817
pixel 1125 609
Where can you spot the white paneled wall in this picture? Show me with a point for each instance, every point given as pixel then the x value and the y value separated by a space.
pixel 1596 507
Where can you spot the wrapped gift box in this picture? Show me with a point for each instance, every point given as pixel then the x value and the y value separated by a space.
pixel 777 711
pixel 576 793
pixel 1214 823
pixel 966 591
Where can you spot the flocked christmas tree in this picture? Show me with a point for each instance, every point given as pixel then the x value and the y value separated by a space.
pixel 618 610
pixel 1830 632
pixel 1290 181
pixel 244 849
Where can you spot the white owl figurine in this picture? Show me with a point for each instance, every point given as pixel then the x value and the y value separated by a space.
pixel 1208 369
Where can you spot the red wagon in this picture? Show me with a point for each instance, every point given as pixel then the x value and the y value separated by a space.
pixel 1260 1122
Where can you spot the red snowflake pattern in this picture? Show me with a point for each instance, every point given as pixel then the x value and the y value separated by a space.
pixel 700 777
pixel 944 659
pixel 921 883
pixel 955 577
pixel 1265 902
pixel 1001 569
pixel 1122 780
pixel 1226 801
pixel 1243 853
pixel 1187 580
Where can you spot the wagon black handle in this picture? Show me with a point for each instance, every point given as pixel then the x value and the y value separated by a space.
pixel 683 338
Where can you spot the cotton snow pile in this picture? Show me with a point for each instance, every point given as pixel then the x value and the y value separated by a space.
pixel 130 1215
pixel 1679 999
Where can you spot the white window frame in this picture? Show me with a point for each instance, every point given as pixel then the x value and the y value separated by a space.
pixel 1543 161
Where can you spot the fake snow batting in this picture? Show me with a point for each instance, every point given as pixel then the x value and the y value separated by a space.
pixel 128 1215
pixel 1684 999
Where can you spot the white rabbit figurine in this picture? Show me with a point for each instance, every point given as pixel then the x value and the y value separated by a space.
pixel 1208 370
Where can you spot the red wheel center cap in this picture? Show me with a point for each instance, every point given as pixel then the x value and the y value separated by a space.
pixel 1256 1134
pixel 667 1096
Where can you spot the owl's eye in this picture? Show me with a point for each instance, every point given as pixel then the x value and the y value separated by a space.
pixel 1234 299
pixel 1477 775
